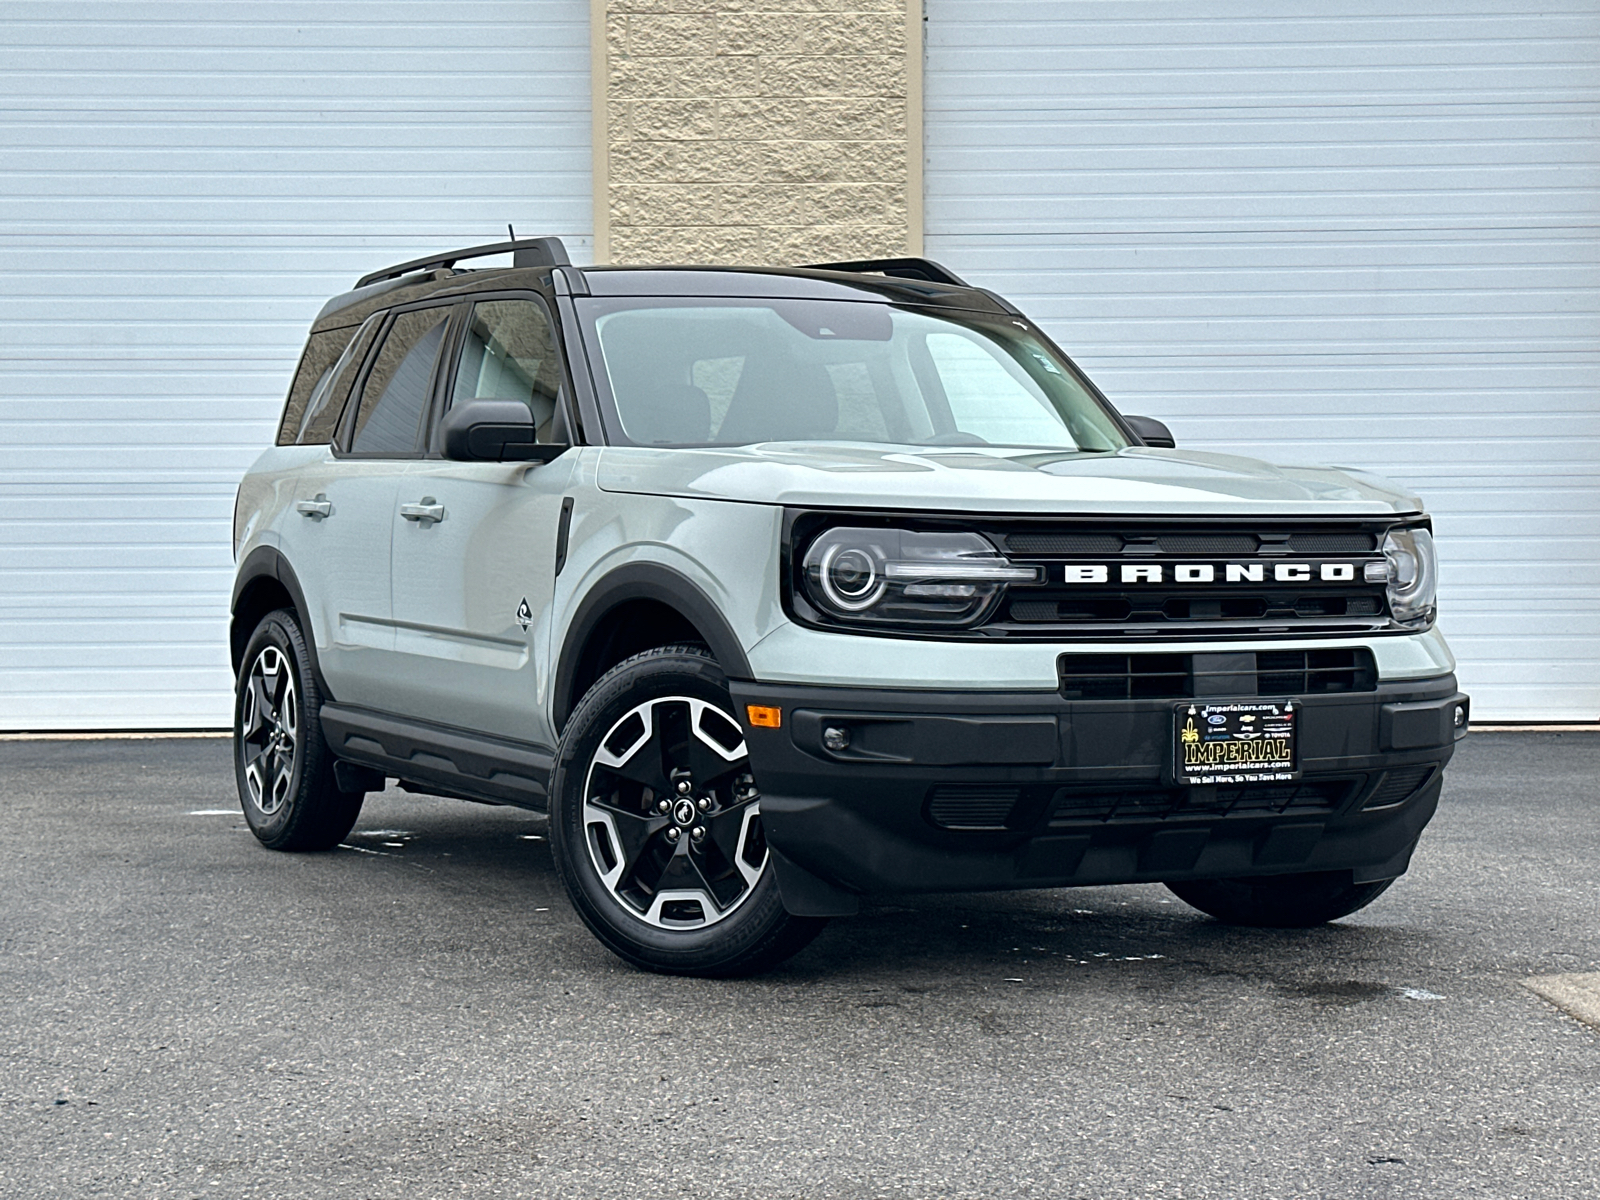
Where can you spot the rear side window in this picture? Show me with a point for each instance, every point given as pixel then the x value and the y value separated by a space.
pixel 316 368
pixel 396 392
pixel 509 353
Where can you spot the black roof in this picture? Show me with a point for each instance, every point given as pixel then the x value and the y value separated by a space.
pixel 780 283
pixel 888 281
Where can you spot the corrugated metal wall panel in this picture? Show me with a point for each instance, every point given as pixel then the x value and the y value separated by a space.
pixel 1349 232
pixel 184 185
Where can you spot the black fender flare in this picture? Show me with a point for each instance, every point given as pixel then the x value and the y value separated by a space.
pixel 268 562
pixel 643 581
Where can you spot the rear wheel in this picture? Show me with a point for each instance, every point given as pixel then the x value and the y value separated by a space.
pixel 284 768
pixel 1280 901
pixel 656 823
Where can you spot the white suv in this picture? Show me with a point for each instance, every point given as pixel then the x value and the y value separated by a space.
pixel 778 587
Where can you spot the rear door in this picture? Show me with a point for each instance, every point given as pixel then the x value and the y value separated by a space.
pixel 475 543
pixel 338 539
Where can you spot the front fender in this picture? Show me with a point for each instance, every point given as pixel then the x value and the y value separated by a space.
pixel 644 581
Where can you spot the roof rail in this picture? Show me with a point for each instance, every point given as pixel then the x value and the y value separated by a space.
pixel 903 268
pixel 525 252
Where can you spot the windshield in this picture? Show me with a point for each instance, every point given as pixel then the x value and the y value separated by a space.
pixel 728 372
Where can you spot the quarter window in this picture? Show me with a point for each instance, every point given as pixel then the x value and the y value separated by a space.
pixel 396 392
pixel 316 367
pixel 326 405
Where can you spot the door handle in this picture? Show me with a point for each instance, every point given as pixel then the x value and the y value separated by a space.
pixel 428 510
pixel 315 509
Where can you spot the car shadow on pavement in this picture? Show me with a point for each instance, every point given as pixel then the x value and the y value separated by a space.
pixel 1027 936
pixel 1058 935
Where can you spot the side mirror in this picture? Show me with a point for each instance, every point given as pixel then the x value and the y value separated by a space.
pixel 494 431
pixel 1151 432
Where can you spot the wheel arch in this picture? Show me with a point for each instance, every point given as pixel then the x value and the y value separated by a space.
pixel 632 608
pixel 266 582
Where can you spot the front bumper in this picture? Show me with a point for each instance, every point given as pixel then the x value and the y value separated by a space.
pixel 958 791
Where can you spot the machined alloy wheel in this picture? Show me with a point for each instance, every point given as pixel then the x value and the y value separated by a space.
pixel 269 730
pixel 672 816
pixel 655 823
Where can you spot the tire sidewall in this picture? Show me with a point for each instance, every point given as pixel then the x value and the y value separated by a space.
pixel 675 671
pixel 281 829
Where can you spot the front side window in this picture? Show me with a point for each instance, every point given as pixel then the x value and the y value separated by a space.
pixel 396 392
pixel 726 372
pixel 509 353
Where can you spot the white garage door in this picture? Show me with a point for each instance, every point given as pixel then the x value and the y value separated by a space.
pixel 183 184
pixel 1336 231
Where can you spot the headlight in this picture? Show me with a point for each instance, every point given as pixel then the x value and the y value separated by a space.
pixel 901 577
pixel 1413 575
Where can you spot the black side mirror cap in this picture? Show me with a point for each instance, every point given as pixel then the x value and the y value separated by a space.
pixel 1151 432
pixel 494 431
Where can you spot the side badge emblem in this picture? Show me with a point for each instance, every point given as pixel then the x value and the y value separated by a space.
pixel 524 614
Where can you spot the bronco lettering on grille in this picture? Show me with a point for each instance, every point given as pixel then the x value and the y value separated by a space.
pixel 1326 572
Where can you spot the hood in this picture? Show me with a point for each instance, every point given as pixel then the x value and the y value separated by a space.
pixel 1137 480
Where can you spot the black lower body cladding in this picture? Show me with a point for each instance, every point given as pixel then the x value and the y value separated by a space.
pixel 901 791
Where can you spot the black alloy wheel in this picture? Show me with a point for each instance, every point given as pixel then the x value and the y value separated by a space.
pixel 283 766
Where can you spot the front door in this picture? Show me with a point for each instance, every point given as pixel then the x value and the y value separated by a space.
pixel 475 547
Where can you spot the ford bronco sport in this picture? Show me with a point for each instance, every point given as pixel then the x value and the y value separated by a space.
pixel 778 587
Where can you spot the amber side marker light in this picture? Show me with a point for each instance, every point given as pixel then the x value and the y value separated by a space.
pixel 764 716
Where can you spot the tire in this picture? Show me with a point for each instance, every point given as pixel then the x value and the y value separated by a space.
pixel 1280 901
pixel 655 823
pixel 284 768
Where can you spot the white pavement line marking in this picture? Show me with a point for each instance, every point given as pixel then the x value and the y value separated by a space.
pixel 1592 727
pixel 215 812
pixel 364 850
pixel 1421 994
pixel 150 735
pixel 1576 995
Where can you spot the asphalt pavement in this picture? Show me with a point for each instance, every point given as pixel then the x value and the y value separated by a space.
pixel 185 1014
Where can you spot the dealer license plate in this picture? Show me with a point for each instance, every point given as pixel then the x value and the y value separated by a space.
pixel 1245 741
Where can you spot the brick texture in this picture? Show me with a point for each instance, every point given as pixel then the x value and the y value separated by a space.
pixel 756 131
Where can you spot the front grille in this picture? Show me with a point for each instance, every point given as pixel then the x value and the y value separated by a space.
pixel 1314 672
pixel 1332 543
pixel 1054 544
pixel 1075 807
pixel 998 807
pixel 1150 579
pixel 1030 544
pixel 1185 676
pixel 1207 543
pixel 1398 786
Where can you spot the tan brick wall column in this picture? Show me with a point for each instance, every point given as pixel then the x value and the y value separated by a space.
pixel 757 131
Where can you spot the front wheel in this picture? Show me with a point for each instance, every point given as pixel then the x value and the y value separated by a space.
pixel 1280 901
pixel 656 828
